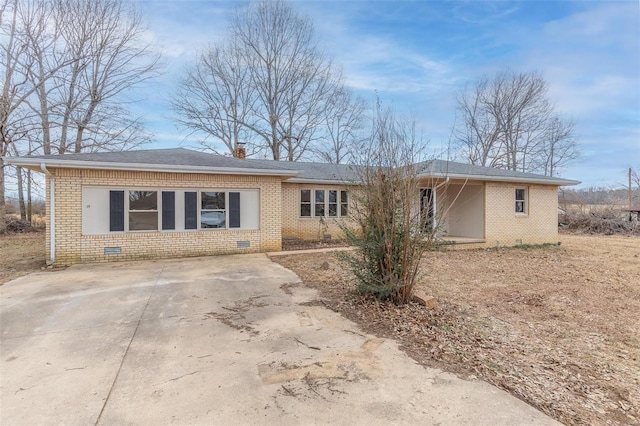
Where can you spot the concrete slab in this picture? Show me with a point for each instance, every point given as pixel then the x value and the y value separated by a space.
pixel 212 341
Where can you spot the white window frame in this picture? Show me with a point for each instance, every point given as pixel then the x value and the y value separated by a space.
pixel 225 210
pixel 250 218
pixel 157 211
pixel 524 201
pixel 312 203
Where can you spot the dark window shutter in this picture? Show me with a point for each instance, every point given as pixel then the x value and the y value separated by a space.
pixel 168 210
pixel 190 210
pixel 234 210
pixel 116 211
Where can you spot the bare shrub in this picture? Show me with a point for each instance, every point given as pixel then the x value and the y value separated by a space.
pixel 390 232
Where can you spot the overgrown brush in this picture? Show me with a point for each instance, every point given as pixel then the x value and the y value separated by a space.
pixel 606 222
pixel 20 226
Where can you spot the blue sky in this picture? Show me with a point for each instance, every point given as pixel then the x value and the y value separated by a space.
pixel 417 55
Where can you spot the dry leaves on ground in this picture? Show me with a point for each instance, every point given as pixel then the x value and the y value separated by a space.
pixel 557 327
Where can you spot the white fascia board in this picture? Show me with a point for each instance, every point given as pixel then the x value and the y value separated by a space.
pixel 321 181
pixel 559 182
pixel 142 167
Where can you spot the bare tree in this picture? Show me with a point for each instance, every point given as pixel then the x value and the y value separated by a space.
pixel 108 57
pixel 558 146
pixel 391 235
pixel 69 66
pixel 15 63
pixel 343 119
pixel 508 122
pixel 635 176
pixel 8 32
pixel 289 73
pixel 478 132
pixel 634 180
pixel 215 98
pixel 267 82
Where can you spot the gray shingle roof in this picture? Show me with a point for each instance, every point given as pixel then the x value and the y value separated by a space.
pixel 316 171
pixel 452 168
pixel 169 157
pixel 184 159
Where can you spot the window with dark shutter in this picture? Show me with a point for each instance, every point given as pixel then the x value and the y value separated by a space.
pixel 234 210
pixel 116 211
pixel 168 210
pixel 190 210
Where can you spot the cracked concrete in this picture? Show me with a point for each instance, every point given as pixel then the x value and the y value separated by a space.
pixel 219 340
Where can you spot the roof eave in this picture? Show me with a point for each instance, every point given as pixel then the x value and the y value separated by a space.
pixel 34 163
pixel 558 182
pixel 321 181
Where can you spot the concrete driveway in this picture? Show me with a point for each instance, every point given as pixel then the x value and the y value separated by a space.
pixel 218 340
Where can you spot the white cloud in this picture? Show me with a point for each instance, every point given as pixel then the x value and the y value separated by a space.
pixel 183 28
pixel 483 12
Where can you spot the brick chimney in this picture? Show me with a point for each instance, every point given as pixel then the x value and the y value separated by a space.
pixel 240 152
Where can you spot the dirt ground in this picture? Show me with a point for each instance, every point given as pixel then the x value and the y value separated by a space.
pixel 558 327
pixel 21 254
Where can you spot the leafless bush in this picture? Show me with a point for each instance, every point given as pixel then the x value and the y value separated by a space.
pixel 391 233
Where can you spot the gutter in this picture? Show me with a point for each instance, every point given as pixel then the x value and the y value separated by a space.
pixel 143 167
pixel 322 181
pixel 52 214
pixel 515 179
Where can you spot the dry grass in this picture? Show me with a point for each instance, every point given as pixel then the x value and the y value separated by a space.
pixel 556 326
pixel 21 254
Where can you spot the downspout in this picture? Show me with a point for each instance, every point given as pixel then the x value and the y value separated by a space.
pixel 52 214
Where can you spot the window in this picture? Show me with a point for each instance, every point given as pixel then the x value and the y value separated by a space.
pixel 143 211
pixel 344 204
pixel 107 210
pixel 333 203
pixel 326 203
pixel 305 203
pixel 521 200
pixel 213 213
pixel 319 204
pixel 219 209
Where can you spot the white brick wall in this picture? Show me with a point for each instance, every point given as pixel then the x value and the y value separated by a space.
pixel 73 247
pixel 504 226
pixel 279 217
pixel 308 228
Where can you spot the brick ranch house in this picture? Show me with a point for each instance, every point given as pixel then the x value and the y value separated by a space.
pixel 178 202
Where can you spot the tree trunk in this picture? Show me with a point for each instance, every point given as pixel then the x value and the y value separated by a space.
pixel 23 210
pixel 82 126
